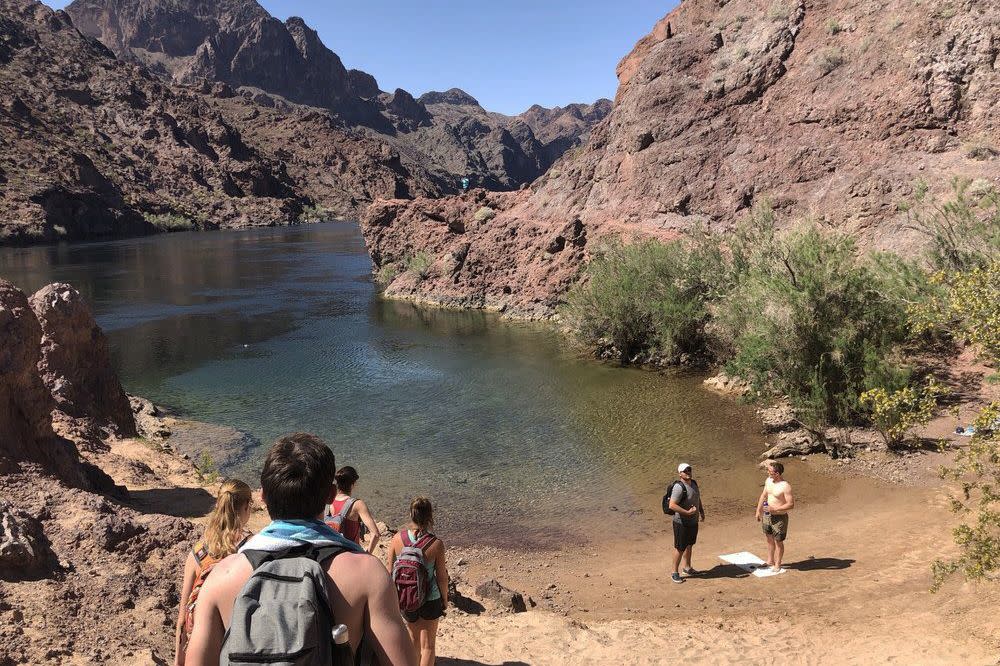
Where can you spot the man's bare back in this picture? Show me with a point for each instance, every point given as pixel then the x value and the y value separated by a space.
pixel 360 593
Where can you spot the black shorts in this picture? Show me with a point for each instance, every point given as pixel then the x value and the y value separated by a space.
pixel 685 535
pixel 431 610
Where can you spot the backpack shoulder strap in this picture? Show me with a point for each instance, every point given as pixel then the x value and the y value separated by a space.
pixel 346 509
pixel 426 540
pixel 404 534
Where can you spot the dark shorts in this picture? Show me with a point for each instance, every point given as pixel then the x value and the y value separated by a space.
pixel 431 610
pixel 685 535
pixel 775 525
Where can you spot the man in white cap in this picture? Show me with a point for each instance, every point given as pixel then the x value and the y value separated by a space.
pixel 685 502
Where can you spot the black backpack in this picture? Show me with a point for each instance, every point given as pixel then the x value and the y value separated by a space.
pixel 670 489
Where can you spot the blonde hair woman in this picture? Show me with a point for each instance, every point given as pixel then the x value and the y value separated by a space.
pixel 225 532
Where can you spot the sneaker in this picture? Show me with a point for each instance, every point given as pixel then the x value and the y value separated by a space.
pixel 691 571
pixel 676 577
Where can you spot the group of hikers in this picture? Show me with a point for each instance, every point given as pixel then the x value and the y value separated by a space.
pixel 304 590
pixel 683 501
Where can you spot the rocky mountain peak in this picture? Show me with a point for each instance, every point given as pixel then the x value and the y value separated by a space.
pixel 455 96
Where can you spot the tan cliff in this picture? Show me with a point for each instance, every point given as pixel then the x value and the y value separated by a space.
pixel 831 111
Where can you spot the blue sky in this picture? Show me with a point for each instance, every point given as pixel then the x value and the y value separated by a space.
pixel 508 55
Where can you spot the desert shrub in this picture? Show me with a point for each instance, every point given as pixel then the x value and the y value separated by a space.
pixel 807 319
pixel 170 221
pixel 829 59
pixel 741 53
pixel 647 297
pixel 833 27
pixel 420 265
pixel 386 274
pixel 966 305
pixel 207 472
pixel 977 469
pixel 896 413
pixel 963 230
pixel 315 213
pixel 779 11
pixel 484 214
pixel 980 148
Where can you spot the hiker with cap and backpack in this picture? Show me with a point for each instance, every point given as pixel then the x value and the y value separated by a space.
pixel 416 560
pixel 298 592
pixel 683 501
pixel 349 515
pixel 225 532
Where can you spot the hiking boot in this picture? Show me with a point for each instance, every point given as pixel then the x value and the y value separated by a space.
pixel 691 571
pixel 676 577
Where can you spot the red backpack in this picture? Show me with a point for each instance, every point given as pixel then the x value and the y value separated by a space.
pixel 409 573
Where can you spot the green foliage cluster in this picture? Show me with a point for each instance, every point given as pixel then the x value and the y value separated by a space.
pixel 419 264
pixel 896 413
pixel 170 221
pixel 207 471
pixel 484 214
pixel 829 59
pixel 315 213
pixel 386 274
pixel 977 470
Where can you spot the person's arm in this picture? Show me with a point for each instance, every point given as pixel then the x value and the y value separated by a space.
pixel 760 503
pixel 366 517
pixel 206 639
pixel 789 502
pixel 190 573
pixel 675 497
pixel 701 508
pixel 384 626
pixel 390 554
pixel 441 572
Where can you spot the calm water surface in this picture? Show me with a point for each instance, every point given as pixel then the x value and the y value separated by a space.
pixel 508 429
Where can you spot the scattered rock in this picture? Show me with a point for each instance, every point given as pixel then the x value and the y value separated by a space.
pixel 24 551
pixel 503 597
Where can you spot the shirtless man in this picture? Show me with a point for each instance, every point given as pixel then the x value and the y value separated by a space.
pixel 772 512
pixel 298 482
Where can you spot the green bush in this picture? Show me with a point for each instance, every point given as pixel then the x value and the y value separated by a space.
pixel 647 297
pixel 807 319
pixel 829 59
pixel 964 230
pixel 484 214
pixel 315 213
pixel 170 222
pixel 977 469
pixel 895 414
pixel 386 274
pixel 420 265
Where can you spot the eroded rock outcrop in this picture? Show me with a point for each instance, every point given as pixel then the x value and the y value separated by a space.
pixel 829 111
pixel 26 434
pixel 75 362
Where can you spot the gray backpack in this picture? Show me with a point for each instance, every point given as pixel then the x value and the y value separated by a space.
pixel 283 616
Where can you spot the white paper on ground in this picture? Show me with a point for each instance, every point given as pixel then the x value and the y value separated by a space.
pixel 750 562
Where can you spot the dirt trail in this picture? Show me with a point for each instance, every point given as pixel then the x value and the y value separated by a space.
pixel 856 591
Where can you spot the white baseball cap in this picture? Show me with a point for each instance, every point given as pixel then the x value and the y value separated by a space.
pixel 683 467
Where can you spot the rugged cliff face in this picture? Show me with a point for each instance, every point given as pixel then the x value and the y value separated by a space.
pixel 830 110
pixel 447 135
pixel 91 146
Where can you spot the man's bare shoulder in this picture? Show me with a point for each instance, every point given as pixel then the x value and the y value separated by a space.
pixel 233 570
pixel 357 575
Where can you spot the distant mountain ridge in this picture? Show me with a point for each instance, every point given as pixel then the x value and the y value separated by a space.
pixel 239 43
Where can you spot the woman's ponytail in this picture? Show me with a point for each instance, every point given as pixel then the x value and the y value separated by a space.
pixel 224 529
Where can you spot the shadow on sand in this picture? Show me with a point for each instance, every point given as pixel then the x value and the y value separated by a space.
pixel 810 564
pixel 177 502
pixel 451 661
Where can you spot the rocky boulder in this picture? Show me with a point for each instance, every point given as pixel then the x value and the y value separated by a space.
pixel 24 552
pixel 504 598
pixel 75 363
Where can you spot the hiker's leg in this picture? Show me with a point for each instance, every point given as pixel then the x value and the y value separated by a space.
pixel 687 557
pixel 428 638
pixel 413 628
pixel 770 549
pixel 779 553
pixel 677 559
